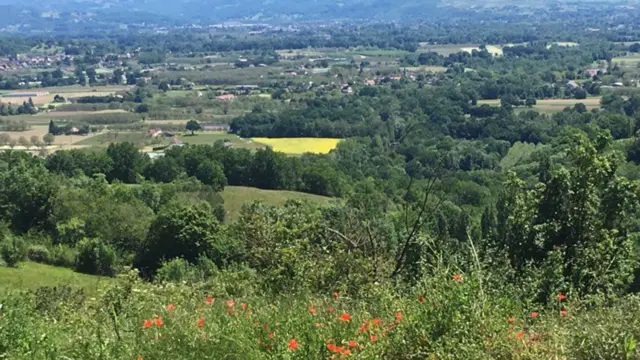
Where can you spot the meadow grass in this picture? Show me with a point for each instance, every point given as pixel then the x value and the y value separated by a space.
pixel 30 276
pixel 237 196
pixel 210 138
pixel 296 146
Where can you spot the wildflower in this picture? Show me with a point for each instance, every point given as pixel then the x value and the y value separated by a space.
pixel 335 294
pixel 563 312
pixel 520 335
pixel 147 324
pixel 352 343
pixel 373 338
pixel 364 328
pixel 512 320
pixel 293 344
pixel 562 297
pixel 318 325
pixel 421 299
pixel 158 322
pixel 201 323
pixel 331 347
pixel 209 300
pixel 271 335
pixel 346 352
pixel 243 306
pixel 345 317
pixel 171 307
pixel 312 310
pixel 338 349
pixel 534 314
pixel 230 303
pixel 376 321
pixel 331 310
pixel 140 359
pixel 457 277
pixel 398 316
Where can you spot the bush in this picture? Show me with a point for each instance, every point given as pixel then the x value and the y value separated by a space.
pixel 13 251
pixel 62 255
pixel 176 270
pixel 95 258
pixel 39 254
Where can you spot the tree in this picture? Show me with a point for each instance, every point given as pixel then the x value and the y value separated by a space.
pixel 164 86
pixel 4 139
pixel 24 142
pixel 180 231
pixel 48 139
pixel 210 173
pixel 127 162
pixel 164 170
pixel 193 125
pixel 95 258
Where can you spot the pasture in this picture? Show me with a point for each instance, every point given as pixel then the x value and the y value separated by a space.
pixel 139 139
pixel 434 69
pixel 30 276
pixel 297 146
pixel 237 196
pixel 210 138
pixel 448 49
pixel 42 130
pixel 631 60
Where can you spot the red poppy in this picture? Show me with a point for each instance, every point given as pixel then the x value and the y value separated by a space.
pixel 345 317
pixel 534 314
pixel 373 338
pixel 335 294
pixel 147 324
pixel 331 309
pixel 243 306
pixel 562 297
pixel 158 322
pixel 520 335
pixel 563 312
pixel 230 303
pixel 209 300
pixel 338 349
pixel 201 323
pixel 421 299
pixel 331 347
pixel 140 359
pixel 398 316
pixel 352 343
pixel 318 325
pixel 312 310
pixel 457 277
pixel 271 335
pixel 376 321
pixel 346 352
pixel 512 320
pixel 293 344
pixel 171 307
pixel 364 328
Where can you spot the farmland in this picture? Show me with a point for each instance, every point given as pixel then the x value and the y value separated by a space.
pixel 631 60
pixel 300 145
pixel 553 105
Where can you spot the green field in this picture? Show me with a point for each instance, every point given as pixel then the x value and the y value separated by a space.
pixel 549 106
pixel 631 60
pixel 209 138
pixel 236 196
pixel 138 138
pixel 30 276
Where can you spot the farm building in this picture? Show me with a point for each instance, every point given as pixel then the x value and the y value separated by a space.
pixel 26 94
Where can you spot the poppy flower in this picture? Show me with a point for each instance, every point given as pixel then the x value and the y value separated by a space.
pixel 293 344
pixel 209 300
pixel 243 306
pixel 171 307
pixel 331 309
pixel 230 303
pixel 346 352
pixel 376 321
pixel 345 317
pixel 140 359
pixel 373 338
pixel 312 310
pixel 318 325
pixel 271 335
pixel 534 314
pixel 335 294
pixel 338 349
pixel 352 343
pixel 520 335
pixel 147 324
pixel 421 299
pixel 562 297
pixel 398 316
pixel 457 277
pixel 158 322
pixel 201 323
pixel 512 320
pixel 563 312
pixel 331 347
pixel 364 328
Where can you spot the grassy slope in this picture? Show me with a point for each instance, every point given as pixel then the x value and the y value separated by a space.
pixel 30 276
pixel 236 196
pixel 209 138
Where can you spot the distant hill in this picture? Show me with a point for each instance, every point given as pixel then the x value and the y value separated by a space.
pixel 75 13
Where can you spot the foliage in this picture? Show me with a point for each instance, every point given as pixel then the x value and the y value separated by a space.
pixel 39 254
pixel 12 250
pixel 95 258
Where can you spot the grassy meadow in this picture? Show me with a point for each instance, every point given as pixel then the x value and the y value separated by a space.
pixel 552 105
pixel 30 276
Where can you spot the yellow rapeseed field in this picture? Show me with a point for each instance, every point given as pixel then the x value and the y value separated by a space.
pixel 300 145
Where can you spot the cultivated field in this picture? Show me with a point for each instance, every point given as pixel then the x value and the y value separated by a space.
pixel 448 49
pixel 68 92
pixel 296 146
pixel 236 196
pixel 435 69
pixel 631 60
pixel 42 130
pixel 563 44
pixel 553 105
pixel 210 138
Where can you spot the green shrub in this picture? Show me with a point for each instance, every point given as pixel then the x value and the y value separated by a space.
pixel 63 256
pixel 176 270
pixel 39 254
pixel 95 258
pixel 12 251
